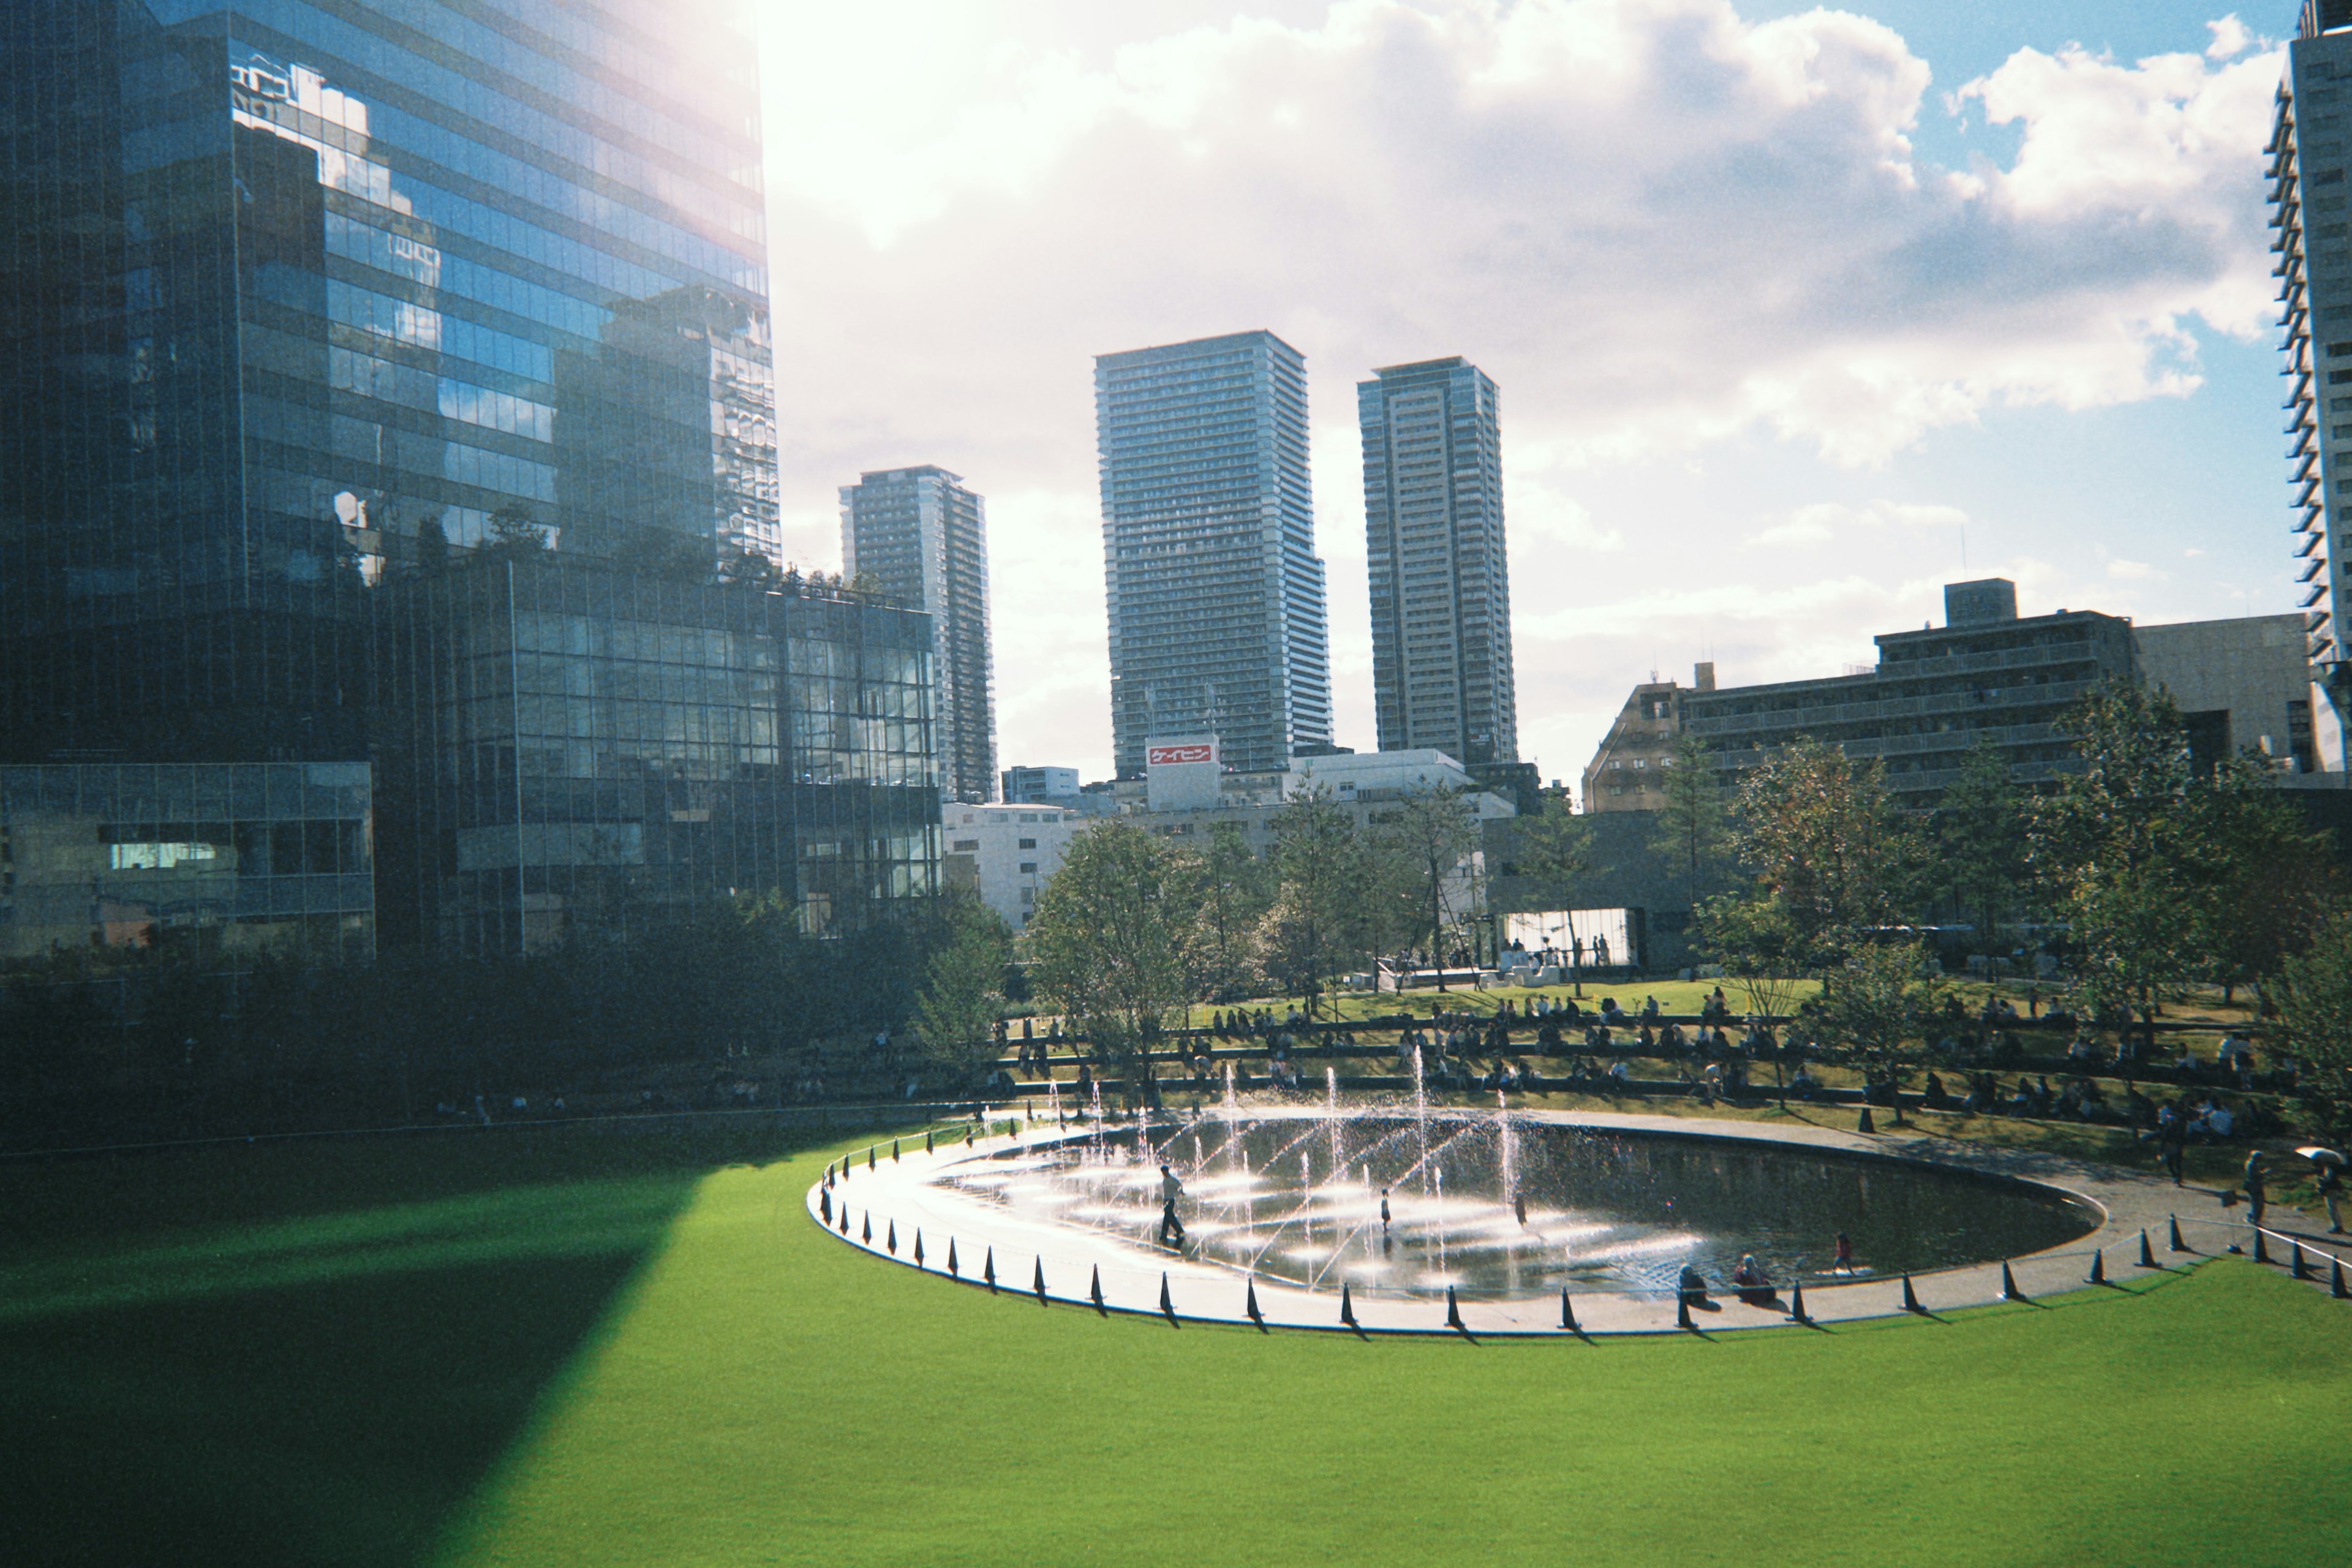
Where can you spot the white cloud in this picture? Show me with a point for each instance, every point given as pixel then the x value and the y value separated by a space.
pixel 2130 571
pixel 1669 232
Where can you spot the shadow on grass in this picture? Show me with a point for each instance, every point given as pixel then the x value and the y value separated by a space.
pixel 307 1355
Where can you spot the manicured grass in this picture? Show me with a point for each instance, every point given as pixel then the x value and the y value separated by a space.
pixel 644 1355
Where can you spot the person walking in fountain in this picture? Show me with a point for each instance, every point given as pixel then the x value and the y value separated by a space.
pixel 1384 1208
pixel 1171 1189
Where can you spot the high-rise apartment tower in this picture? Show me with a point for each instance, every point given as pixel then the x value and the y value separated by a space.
pixel 924 538
pixel 2310 154
pixel 1440 575
pixel 1217 622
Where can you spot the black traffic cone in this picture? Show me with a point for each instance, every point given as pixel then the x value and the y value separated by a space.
pixel 2009 1290
pixel 865 1228
pixel 1453 1310
pixel 1910 1296
pixel 2099 1266
pixel 2336 1283
pixel 894 1150
pixel 1347 1305
pixel 845 1219
pixel 893 1242
pixel 1167 1303
pixel 824 1206
pixel 869 1157
pixel 1096 1291
pixel 953 1272
pixel 1797 1312
pixel 2262 1246
pixel 927 1142
pixel 2147 1254
pixel 1250 1306
pixel 969 1133
pixel 988 1270
pixel 2298 1268
pixel 1863 1123
pixel 1568 1313
pixel 2175 1243
pixel 1041 1282
pixel 918 1246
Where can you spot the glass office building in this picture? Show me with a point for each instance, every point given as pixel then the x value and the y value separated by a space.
pixel 1439 573
pixel 210 859
pixel 1217 622
pixel 923 537
pixel 588 749
pixel 301 290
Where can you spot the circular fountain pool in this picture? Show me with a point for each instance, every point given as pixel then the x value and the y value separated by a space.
pixel 1297 1200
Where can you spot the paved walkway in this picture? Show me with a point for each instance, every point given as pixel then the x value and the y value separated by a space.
pixel 902 1201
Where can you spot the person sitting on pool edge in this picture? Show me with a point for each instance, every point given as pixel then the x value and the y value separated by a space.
pixel 1692 1289
pixel 1749 1280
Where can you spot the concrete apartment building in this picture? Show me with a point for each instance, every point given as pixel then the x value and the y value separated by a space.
pixel 1214 591
pixel 924 537
pixel 1987 675
pixel 1006 854
pixel 1438 570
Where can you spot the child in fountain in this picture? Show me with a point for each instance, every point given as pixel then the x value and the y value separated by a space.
pixel 1171 1189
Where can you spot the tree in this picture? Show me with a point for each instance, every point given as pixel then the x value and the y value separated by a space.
pixel 2313 994
pixel 1693 827
pixel 1431 836
pixel 513 536
pixel 1981 842
pixel 431 548
pixel 1551 849
pixel 2114 842
pixel 1230 898
pixel 1881 995
pixel 1107 942
pixel 1823 839
pixel 739 562
pixel 1323 905
pixel 962 999
pixel 2271 879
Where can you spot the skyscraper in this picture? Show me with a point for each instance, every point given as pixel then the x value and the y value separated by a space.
pixel 924 537
pixel 302 291
pixel 2309 155
pixel 1439 573
pixel 1216 593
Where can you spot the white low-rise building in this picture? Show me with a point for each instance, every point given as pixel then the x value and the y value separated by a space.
pixel 1006 854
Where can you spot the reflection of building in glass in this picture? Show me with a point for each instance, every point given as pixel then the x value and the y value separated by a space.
pixel 291 286
pixel 924 538
pixel 210 857
pixel 592 748
pixel 1441 585
pixel 1216 593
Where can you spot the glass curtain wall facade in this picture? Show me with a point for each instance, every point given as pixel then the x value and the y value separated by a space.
pixel 208 859
pixel 303 290
pixel 923 537
pixel 2309 156
pixel 1437 562
pixel 591 750
pixel 1216 593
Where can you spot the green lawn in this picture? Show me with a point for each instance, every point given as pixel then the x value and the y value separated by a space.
pixel 563 1347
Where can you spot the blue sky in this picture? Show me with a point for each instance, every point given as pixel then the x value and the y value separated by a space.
pixel 1791 311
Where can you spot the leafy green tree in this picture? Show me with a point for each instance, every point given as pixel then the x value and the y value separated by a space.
pixel 2116 844
pixel 1107 942
pixel 1430 838
pixel 1231 893
pixel 1693 833
pixel 2270 881
pixel 1980 827
pixel 1323 906
pixel 962 999
pixel 1882 995
pixel 2312 995
pixel 1824 840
